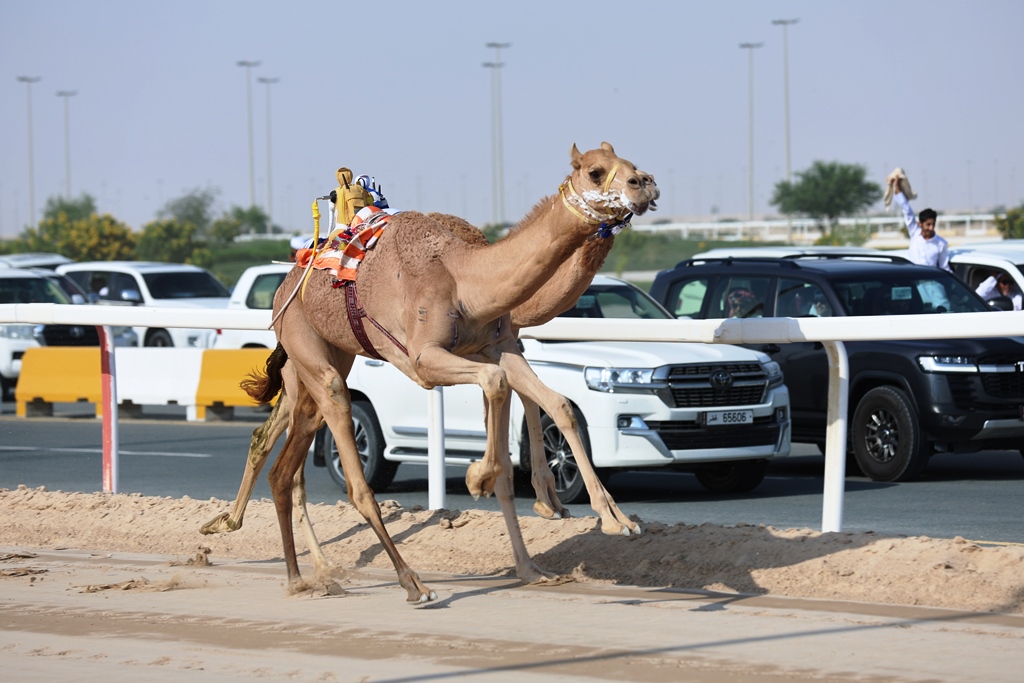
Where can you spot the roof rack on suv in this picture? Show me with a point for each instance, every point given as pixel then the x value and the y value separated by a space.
pixel 789 259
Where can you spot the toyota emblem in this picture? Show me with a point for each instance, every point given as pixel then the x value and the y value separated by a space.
pixel 721 380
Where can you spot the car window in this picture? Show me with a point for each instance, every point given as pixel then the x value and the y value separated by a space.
pixel 739 297
pixel 905 295
pixel 263 289
pixel 616 301
pixel 688 297
pixel 31 290
pixel 799 299
pixel 184 285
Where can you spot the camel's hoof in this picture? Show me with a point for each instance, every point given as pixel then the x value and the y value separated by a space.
pixel 547 512
pixel 218 524
pixel 424 598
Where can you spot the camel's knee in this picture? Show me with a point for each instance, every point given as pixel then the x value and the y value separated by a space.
pixel 563 415
pixel 494 382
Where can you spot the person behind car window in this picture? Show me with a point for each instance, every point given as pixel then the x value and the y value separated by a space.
pixel 819 305
pixel 741 303
pixel 926 247
pixel 1000 284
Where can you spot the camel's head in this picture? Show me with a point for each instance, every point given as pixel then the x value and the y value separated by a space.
pixel 611 185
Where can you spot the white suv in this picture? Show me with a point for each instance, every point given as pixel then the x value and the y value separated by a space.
pixel 140 283
pixel 719 410
pixel 974 263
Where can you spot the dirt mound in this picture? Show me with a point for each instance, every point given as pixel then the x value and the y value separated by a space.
pixel 951 573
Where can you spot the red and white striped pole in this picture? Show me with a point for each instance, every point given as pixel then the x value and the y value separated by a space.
pixel 108 379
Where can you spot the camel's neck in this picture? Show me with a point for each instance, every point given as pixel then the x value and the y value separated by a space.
pixel 499 277
pixel 568 283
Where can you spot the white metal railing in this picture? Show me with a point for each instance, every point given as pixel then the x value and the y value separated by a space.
pixel 832 332
pixel 884 229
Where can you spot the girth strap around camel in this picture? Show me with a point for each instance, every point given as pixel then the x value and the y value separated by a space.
pixel 356 313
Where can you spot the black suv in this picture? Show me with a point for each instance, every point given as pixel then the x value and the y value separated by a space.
pixel 908 399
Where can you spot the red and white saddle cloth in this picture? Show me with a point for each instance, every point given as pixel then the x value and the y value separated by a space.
pixel 344 249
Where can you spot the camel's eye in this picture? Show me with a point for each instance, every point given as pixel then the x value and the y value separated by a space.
pixel 595 175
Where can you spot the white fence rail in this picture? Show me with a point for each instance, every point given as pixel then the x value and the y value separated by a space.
pixel 832 332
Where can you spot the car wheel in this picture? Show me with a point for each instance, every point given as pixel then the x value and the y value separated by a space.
pixel 369 443
pixel 159 338
pixel 736 476
pixel 569 483
pixel 887 441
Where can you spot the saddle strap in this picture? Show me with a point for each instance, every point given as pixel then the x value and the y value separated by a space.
pixel 356 313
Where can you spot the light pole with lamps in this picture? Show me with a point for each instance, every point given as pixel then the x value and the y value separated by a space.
pixel 750 47
pixel 67 95
pixel 785 23
pixel 28 81
pixel 270 194
pixel 497 143
pixel 248 104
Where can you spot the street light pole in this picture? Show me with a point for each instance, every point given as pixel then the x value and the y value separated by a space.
pixel 28 81
pixel 248 103
pixel 750 47
pixel 785 23
pixel 270 193
pixel 67 95
pixel 497 142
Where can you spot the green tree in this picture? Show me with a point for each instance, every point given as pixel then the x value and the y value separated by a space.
pixel 172 241
pixel 1011 224
pixel 253 220
pixel 75 209
pixel 195 207
pixel 92 238
pixel 826 191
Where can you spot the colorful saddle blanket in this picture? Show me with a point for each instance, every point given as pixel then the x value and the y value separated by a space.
pixel 344 249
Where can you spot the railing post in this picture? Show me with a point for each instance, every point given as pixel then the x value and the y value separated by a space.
pixel 435 450
pixel 108 380
pixel 835 436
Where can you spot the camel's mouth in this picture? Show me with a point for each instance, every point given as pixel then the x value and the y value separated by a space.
pixel 643 207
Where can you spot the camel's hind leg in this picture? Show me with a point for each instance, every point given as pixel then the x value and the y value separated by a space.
pixel 263 439
pixel 328 389
pixel 525 382
pixel 286 474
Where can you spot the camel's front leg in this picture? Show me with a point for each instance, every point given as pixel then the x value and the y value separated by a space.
pixel 437 366
pixel 547 504
pixel 525 382
pixel 263 439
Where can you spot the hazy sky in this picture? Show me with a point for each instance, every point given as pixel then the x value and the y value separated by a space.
pixel 398 90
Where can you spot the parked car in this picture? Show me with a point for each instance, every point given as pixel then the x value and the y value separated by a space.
pixel 974 263
pixel 170 285
pixel 76 335
pixel 908 399
pixel 33 260
pixel 254 291
pixel 718 410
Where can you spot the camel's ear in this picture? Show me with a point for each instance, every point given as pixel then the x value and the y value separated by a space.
pixel 607 146
pixel 576 157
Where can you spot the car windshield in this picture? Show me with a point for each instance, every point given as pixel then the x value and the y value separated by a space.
pixel 31 290
pixel 184 285
pixel 900 294
pixel 618 300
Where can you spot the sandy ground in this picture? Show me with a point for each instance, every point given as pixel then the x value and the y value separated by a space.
pixel 116 587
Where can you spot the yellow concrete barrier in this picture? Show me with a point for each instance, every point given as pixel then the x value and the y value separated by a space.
pixel 221 372
pixel 58 374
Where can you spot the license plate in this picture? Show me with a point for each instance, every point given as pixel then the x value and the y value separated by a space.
pixel 721 418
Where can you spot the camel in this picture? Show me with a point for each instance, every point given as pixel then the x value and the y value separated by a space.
pixel 455 330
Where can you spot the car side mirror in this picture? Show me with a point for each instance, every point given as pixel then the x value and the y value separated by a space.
pixel 1001 303
pixel 77 299
pixel 132 296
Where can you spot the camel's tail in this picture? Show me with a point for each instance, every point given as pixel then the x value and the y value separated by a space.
pixel 264 386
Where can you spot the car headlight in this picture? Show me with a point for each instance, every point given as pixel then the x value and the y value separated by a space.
pixel 16 331
pixel 948 363
pixel 618 379
pixel 774 373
